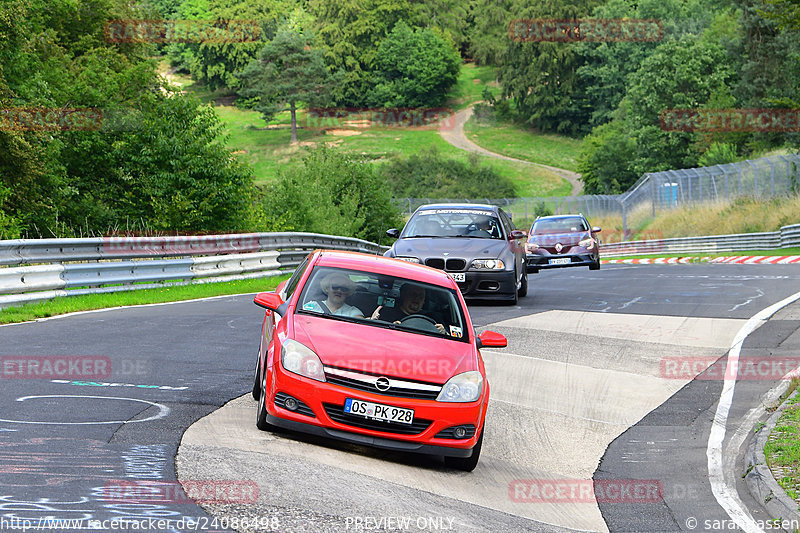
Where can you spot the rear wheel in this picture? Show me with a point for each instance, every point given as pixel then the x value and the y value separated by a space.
pixel 467 464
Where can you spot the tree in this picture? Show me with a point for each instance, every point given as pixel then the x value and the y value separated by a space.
pixel 541 77
pixel 350 32
pixel 415 69
pixel 606 160
pixel 334 193
pixel 287 72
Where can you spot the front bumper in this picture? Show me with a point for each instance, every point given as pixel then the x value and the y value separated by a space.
pixel 489 285
pixel 324 416
pixel 536 262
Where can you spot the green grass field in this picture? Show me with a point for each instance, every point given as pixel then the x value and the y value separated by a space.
pixel 472 80
pixel 515 141
pixel 782 451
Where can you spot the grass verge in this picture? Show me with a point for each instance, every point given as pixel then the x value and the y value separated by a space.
pixel 783 448
pixel 514 141
pixel 169 293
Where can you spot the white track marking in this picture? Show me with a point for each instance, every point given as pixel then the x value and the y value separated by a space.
pixel 163 411
pixel 726 495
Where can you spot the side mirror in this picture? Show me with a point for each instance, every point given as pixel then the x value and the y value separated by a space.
pixel 491 339
pixel 596 229
pixel 394 233
pixel 268 300
pixel 518 234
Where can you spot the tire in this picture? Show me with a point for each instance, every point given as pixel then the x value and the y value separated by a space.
pixel 261 416
pixel 523 286
pixel 595 265
pixel 256 382
pixel 466 464
pixel 514 295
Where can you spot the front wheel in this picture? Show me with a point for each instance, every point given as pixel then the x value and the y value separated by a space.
pixel 256 384
pixel 595 265
pixel 523 285
pixel 467 464
pixel 261 416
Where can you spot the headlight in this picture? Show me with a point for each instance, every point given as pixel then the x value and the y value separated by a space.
pixel 409 259
pixel 300 359
pixel 466 387
pixel 488 264
pixel 587 243
pixel 531 247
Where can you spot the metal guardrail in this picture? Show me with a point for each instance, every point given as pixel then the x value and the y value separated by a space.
pixel 99 265
pixel 788 236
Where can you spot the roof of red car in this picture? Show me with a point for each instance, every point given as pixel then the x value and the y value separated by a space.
pixel 385 265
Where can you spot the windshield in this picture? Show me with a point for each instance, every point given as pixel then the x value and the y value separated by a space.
pixel 470 223
pixel 383 301
pixel 563 224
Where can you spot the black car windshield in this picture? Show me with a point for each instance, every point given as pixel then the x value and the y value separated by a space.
pixel 561 224
pixel 469 223
pixel 383 301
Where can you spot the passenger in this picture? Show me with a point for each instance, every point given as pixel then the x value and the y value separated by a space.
pixel 410 302
pixel 337 287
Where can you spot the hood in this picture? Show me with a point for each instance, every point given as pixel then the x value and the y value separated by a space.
pixel 384 351
pixel 456 247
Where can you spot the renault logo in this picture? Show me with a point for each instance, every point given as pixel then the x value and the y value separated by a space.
pixel 382 384
pixel 559 247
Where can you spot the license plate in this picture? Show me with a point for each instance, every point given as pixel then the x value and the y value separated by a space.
pixel 378 411
pixel 560 261
pixel 459 276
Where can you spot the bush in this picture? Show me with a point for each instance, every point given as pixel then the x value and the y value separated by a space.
pixel 334 193
pixel 430 175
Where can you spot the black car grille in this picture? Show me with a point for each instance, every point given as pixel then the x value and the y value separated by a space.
pixel 337 414
pixel 303 409
pixel 450 265
pixel 393 391
pixel 435 262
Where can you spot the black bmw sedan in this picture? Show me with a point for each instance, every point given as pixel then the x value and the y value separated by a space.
pixel 476 244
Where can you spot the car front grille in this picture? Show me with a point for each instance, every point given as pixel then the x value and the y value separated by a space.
pixel 337 414
pixel 450 264
pixel 435 262
pixel 366 382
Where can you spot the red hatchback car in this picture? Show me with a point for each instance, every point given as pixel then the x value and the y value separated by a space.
pixel 374 351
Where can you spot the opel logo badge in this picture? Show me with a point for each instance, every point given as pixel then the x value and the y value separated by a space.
pixel 559 247
pixel 382 384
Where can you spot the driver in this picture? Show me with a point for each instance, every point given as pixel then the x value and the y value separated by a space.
pixel 412 298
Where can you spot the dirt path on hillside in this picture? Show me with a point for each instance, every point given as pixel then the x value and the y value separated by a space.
pixel 452 131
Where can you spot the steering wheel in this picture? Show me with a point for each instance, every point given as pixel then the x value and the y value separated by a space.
pixel 422 322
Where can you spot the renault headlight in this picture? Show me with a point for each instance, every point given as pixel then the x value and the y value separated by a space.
pixel 300 359
pixel 587 243
pixel 466 387
pixel 488 264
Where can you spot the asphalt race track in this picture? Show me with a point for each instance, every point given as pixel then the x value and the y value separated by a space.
pixel 583 394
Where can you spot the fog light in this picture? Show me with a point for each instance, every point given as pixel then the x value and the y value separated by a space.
pixel 290 404
pixel 459 432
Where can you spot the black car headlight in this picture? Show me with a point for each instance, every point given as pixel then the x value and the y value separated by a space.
pixel 407 258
